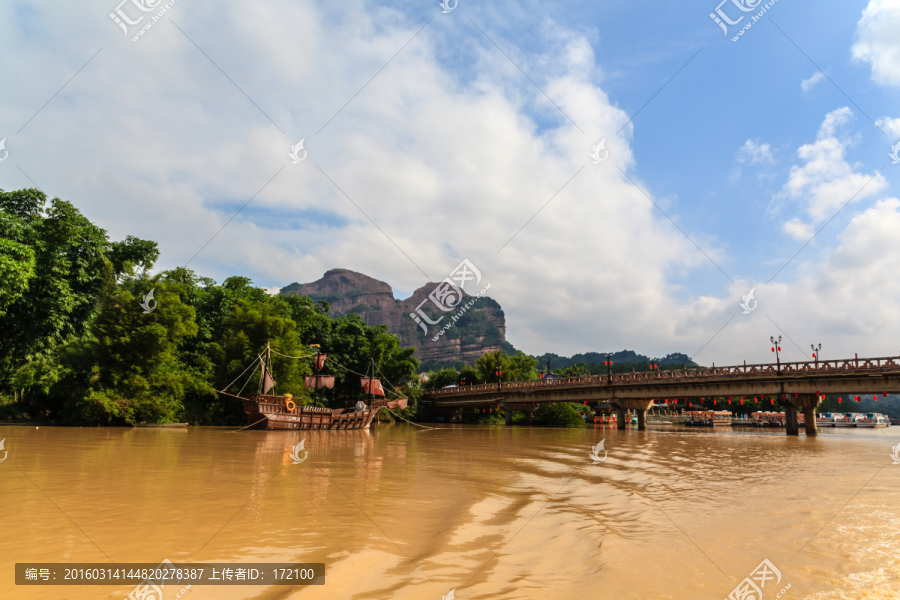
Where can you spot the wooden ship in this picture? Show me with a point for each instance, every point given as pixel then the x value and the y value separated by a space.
pixel 270 411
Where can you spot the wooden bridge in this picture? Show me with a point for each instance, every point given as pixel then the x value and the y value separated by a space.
pixel 797 385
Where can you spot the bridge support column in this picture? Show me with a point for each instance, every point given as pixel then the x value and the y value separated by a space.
pixel 808 404
pixel 639 406
pixel 790 420
pixel 507 411
pixel 809 417
pixel 642 419
pixel 529 416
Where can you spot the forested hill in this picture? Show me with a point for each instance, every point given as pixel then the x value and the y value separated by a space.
pixel 620 357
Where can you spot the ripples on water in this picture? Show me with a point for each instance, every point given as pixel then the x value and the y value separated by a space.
pixel 494 512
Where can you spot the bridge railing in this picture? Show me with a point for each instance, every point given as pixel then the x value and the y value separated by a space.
pixel 789 368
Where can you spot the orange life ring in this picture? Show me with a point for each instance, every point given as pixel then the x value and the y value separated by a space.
pixel 289 404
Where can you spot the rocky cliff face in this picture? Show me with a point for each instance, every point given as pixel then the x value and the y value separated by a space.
pixel 482 328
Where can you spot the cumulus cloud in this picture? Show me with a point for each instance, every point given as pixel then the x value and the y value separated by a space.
pixel 755 153
pixel 890 126
pixel 878 33
pixel 808 84
pixel 826 181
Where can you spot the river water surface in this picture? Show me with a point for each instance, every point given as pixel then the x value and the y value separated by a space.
pixel 490 512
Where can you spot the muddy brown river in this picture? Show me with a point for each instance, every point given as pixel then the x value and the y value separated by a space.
pixel 486 512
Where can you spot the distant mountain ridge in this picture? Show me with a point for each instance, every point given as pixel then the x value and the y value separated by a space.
pixel 481 329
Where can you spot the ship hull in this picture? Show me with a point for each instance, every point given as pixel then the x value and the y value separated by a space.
pixel 271 413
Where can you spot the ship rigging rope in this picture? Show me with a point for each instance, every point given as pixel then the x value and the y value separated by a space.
pixel 408 421
pixel 286 356
pixel 250 425
pixel 366 376
pixel 388 381
pixel 242 374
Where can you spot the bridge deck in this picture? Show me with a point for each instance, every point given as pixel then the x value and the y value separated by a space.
pixel 867 375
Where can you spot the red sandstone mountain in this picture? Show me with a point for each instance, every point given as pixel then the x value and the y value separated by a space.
pixel 481 329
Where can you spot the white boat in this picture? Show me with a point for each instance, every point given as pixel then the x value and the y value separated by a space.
pixel 872 420
pixel 845 420
pixel 825 420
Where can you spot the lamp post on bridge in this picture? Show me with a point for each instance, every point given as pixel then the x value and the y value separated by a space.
pixel 777 350
pixel 608 364
pixel 816 354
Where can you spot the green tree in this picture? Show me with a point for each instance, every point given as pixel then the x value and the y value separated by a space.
pixel 523 367
pixel 559 414
pixel 70 273
pixel 441 379
pixel 126 369
pixel 490 363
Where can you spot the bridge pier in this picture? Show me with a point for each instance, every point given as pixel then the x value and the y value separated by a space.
pixel 806 402
pixel 809 417
pixel 507 411
pixel 639 406
pixel 791 425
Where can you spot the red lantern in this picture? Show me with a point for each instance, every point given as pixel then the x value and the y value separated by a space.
pixel 773 349
pixel 714 402
pixel 742 401
pixel 773 400
pixel 690 404
pixel 839 400
pixel 585 402
pixel 595 419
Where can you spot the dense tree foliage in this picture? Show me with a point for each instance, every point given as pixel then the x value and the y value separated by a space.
pixel 77 346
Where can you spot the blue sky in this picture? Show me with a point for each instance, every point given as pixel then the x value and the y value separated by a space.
pixel 450 149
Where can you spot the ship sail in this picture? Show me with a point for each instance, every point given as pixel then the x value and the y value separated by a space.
pixel 319 382
pixel 372 386
pixel 267 381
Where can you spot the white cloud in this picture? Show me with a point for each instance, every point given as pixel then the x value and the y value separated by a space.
pixel 878 32
pixel 808 84
pixel 798 229
pixel 825 182
pixel 890 126
pixel 755 153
